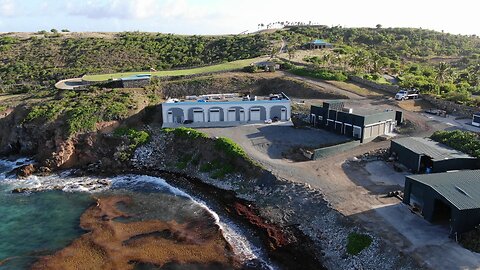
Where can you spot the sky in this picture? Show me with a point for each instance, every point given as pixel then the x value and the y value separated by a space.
pixel 234 16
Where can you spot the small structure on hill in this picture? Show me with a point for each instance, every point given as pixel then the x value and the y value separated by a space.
pixel 318 44
pixel 216 110
pixel 424 155
pixel 267 65
pixel 135 81
pixel 476 119
pixel 362 124
pixel 451 198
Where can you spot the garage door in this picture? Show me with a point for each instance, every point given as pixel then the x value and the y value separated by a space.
pixel 255 115
pixel 214 115
pixel 242 115
pixel 170 117
pixel 198 116
pixel 231 115
pixel 284 115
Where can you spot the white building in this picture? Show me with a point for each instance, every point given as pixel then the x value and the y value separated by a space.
pixel 225 110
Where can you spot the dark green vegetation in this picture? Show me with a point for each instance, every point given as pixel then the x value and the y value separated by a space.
pixel 319 73
pixel 40 61
pixel 80 111
pixel 217 165
pixel 464 141
pixel 357 242
pixel 185 132
pixel 135 139
pixel 437 63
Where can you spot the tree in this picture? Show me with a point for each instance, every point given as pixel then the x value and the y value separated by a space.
pixel 378 26
pixel 443 74
pixel 65 30
pixel 54 30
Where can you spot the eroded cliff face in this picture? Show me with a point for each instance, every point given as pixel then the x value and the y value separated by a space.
pixel 48 143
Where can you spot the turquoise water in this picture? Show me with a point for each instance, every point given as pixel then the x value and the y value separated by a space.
pixel 40 223
pixel 37 224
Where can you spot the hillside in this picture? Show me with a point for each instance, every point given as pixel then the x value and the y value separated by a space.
pixel 438 63
pixel 34 61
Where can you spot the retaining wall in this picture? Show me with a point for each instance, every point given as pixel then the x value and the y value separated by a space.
pixel 451 107
pixel 382 87
pixel 327 151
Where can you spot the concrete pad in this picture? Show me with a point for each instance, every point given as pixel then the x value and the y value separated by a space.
pixel 382 173
pixel 427 240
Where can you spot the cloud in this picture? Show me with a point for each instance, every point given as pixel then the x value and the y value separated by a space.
pixel 7 7
pixel 136 9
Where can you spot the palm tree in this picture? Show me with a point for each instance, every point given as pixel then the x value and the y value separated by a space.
pixel 443 72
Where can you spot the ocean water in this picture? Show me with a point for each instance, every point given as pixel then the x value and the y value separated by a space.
pixel 39 223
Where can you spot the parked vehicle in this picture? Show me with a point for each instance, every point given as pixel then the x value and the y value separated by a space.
pixel 407 94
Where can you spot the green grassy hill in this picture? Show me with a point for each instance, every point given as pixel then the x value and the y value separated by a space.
pixel 440 63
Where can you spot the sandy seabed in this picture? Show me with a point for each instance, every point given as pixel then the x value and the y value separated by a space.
pixel 112 242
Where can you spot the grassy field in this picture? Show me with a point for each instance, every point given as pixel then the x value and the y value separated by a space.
pixel 214 68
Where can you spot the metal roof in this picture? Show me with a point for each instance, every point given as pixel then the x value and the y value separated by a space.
pixel 435 150
pixel 320 41
pixel 460 188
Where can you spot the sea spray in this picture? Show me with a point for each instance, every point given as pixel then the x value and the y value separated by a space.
pixel 235 236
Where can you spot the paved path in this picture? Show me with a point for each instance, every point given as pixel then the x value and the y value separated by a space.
pixel 70 84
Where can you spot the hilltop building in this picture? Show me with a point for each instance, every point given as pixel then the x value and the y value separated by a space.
pixel 216 110
pixel 362 124
pixel 451 198
pixel 421 154
pixel 318 44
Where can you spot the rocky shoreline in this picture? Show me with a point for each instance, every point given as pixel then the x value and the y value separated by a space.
pixel 297 226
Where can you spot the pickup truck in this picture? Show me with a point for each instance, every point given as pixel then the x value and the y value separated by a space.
pixel 406 94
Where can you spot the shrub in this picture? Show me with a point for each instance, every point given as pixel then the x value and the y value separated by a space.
pixel 230 148
pixel 464 141
pixel 320 74
pixel 250 69
pixel 185 132
pixel 136 137
pixel 357 242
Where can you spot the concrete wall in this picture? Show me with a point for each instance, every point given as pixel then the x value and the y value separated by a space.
pixel 268 110
pixel 382 87
pixel 327 151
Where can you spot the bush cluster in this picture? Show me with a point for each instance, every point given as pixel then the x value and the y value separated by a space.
pixel 464 141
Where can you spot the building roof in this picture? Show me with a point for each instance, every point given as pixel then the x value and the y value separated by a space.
pixel 319 42
pixel 435 150
pixel 136 77
pixel 266 63
pixel 461 188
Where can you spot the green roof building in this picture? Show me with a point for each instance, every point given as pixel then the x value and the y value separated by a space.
pixel 418 154
pixel 450 198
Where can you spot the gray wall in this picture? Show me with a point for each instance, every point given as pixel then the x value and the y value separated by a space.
pixel 461 220
pixel 327 151
pixel 405 156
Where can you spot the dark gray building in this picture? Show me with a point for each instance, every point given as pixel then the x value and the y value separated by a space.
pixel 362 124
pixel 418 154
pixel 451 198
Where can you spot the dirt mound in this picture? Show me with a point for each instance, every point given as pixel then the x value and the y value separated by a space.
pixel 238 82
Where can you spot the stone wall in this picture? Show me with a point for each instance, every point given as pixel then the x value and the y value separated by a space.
pixel 393 89
pixel 451 107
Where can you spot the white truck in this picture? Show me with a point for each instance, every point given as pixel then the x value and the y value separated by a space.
pixel 407 94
